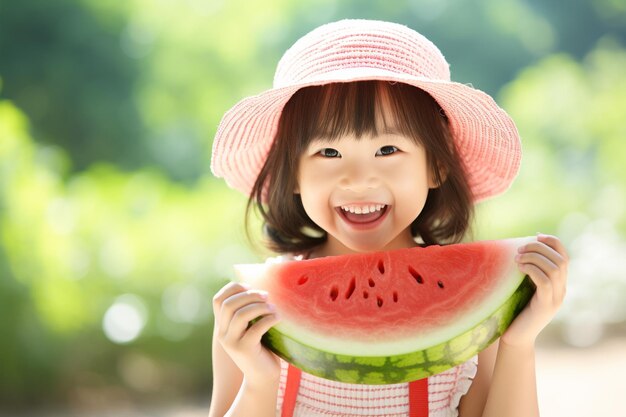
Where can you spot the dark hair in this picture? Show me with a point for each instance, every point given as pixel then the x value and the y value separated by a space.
pixel 337 109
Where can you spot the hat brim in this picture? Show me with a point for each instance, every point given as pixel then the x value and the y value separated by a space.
pixel 485 136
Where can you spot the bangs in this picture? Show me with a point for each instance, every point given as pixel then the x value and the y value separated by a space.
pixel 363 108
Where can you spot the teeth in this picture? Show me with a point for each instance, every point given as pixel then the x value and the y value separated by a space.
pixel 363 209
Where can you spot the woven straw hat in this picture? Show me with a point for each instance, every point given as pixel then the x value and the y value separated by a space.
pixel 354 50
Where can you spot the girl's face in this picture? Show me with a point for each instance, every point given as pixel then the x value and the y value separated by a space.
pixel 366 192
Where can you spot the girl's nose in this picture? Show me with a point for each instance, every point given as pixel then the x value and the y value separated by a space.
pixel 358 178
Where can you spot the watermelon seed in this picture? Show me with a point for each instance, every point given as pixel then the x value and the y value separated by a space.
pixel 381 266
pixel 379 301
pixel 371 283
pixel 416 275
pixel 365 294
pixel 351 288
pixel 440 284
pixel 334 292
pixel 395 296
pixel 303 279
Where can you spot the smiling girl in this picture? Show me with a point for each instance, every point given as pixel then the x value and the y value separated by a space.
pixel 364 144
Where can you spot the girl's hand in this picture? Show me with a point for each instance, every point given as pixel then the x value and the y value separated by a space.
pixel 234 307
pixel 545 262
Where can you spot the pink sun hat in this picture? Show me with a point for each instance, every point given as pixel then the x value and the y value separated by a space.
pixel 354 50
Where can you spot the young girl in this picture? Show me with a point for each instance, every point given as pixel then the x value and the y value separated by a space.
pixel 364 144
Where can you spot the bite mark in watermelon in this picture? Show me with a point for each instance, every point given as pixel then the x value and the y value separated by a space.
pixel 395 316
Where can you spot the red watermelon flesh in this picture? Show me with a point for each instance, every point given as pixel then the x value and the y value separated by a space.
pixel 381 294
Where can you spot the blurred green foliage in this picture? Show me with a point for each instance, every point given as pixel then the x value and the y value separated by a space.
pixel 143 83
pixel 107 111
pixel 63 65
pixel 71 246
pixel 571 117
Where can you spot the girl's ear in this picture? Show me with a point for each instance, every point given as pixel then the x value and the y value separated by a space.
pixel 296 189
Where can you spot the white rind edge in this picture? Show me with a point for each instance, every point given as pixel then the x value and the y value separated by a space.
pixel 337 345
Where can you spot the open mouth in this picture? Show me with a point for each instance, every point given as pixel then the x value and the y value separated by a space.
pixel 363 215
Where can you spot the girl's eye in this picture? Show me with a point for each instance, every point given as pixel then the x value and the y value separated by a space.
pixel 386 150
pixel 330 153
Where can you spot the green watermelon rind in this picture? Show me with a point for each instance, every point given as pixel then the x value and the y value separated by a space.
pixel 404 367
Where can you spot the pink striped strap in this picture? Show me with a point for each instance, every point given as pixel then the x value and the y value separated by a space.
pixel 418 394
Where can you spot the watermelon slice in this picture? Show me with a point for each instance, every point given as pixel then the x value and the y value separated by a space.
pixel 395 316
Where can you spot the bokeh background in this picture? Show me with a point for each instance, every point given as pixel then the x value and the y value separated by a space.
pixel 114 236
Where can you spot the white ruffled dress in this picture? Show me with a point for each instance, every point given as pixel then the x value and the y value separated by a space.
pixel 318 397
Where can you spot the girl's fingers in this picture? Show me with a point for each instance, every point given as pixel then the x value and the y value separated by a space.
pixel 556 244
pixel 544 285
pixel 548 267
pixel 549 254
pixel 259 328
pixel 543 249
pixel 549 246
pixel 233 303
pixel 545 262
pixel 240 323
pixel 545 293
pixel 225 292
